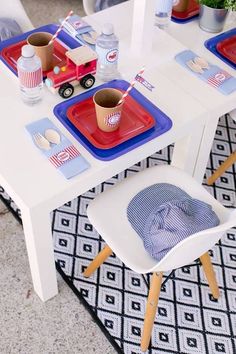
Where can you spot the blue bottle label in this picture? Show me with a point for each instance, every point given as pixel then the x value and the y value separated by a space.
pixel 107 56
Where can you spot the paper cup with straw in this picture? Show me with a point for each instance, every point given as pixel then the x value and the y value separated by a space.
pixel 109 104
pixel 43 45
pixel 108 112
pixel 40 41
pixel 61 27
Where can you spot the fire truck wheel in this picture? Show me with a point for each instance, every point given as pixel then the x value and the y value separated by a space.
pixel 66 90
pixel 87 81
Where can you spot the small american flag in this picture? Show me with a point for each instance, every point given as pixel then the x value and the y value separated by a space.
pixel 144 82
pixel 30 79
pixel 64 156
pixel 219 78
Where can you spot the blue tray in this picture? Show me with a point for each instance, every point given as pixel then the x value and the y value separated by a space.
pixel 163 123
pixel 186 20
pixel 63 36
pixel 211 44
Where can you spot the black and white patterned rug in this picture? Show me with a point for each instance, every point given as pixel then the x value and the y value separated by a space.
pixel 189 320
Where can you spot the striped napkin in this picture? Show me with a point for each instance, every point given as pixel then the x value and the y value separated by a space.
pixel 63 156
pixel 213 76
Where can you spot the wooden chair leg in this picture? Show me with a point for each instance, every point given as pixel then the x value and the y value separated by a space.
pixel 151 308
pixel 98 260
pixel 210 274
pixel 223 167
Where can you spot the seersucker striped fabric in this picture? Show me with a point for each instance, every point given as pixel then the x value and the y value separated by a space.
pixel 163 215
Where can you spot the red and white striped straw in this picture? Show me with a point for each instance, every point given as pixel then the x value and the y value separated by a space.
pixel 131 86
pixel 61 26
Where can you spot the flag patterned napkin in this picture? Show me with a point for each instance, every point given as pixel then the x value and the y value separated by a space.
pixel 213 75
pixel 63 156
pixel 75 25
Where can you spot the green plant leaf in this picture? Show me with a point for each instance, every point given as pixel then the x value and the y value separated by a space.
pixel 220 4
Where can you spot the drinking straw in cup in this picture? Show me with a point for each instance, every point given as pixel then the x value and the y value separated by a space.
pixel 61 26
pixel 43 45
pixel 130 86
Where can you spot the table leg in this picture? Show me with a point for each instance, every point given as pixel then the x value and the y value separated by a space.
pixel 205 148
pixel 39 243
pixel 142 27
pixel 186 150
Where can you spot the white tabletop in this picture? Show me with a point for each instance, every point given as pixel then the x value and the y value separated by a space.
pixel 38 188
pixel 193 37
pixel 166 44
pixel 27 175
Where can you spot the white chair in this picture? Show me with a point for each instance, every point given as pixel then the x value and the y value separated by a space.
pixel 14 9
pixel 107 212
pixel 233 114
pixel 89 6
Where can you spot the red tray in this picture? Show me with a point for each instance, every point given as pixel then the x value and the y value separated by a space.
pixel 13 52
pixel 192 10
pixel 227 48
pixel 134 121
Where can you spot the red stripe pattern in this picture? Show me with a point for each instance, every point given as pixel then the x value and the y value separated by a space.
pixel 218 79
pixel 64 156
pixel 61 26
pixel 131 86
pixel 30 79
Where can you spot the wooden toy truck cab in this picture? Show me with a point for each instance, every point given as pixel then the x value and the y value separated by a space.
pixel 80 67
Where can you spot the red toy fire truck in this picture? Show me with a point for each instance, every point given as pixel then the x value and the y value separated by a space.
pixel 80 67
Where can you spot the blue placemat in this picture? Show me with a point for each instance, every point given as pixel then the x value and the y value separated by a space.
pixel 51 28
pixel 213 75
pixel 211 44
pixel 63 156
pixel 163 122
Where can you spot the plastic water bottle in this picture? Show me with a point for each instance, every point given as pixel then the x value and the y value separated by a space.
pixel 30 75
pixel 107 48
pixel 163 13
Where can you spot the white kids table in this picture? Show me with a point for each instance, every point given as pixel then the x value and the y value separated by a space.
pixel 38 188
